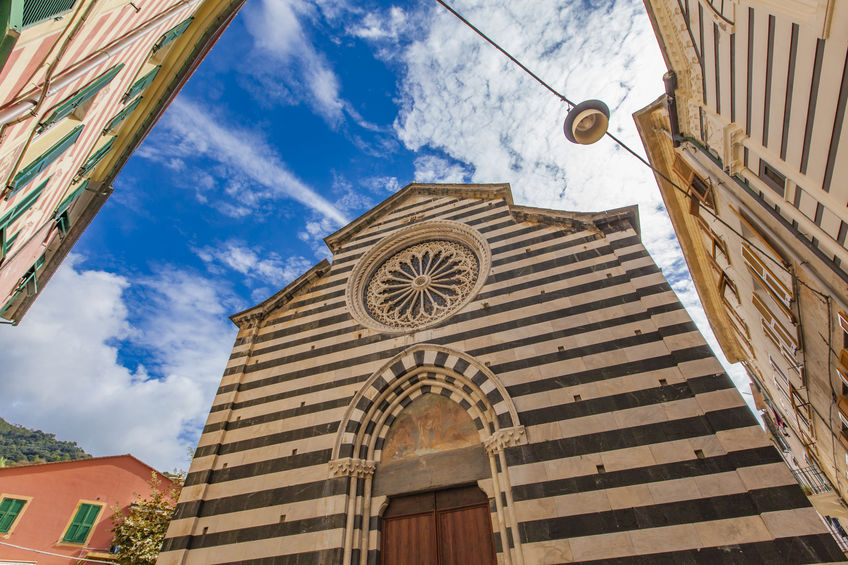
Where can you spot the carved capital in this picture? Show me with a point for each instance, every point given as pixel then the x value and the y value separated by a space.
pixel 350 467
pixel 506 437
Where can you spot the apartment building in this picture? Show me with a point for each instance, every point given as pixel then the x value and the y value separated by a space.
pixel 752 160
pixel 81 84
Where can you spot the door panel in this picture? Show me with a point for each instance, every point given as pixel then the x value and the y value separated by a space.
pixel 449 527
pixel 465 537
pixel 409 540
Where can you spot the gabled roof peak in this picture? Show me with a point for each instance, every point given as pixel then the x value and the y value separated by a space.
pixel 499 191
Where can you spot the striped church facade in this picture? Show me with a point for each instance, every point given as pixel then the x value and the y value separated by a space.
pixel 606 431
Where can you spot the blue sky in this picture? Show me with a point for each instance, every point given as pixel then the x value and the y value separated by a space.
pixel 304 115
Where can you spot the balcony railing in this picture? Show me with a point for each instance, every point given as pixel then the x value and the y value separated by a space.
pixel 811 480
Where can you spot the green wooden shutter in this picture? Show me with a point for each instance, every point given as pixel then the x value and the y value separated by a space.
pixel 122 115
pixel 29 280
pixel 21 207
pixel 96 157
pixel 72 102
pixel 141 84
pixel 6 244
pixel 70 199
pixel 45 159
pixel 169 36
pixel 9 510
pixel 61 216
pixel 81 524
pixel 37 11
pixel 9 303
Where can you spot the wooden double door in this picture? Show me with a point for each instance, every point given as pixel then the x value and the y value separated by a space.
pixel 447 527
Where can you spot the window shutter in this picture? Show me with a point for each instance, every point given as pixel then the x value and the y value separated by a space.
pixel 21 207
pixel 63 220
pixel 29 280
pixel 96 157
pixel 72 102
pixel 33 169
pixel 81 524
pixel 5 245
pixel 70 199
pixel 122 115
pixel 9 510
pixel 37 11
pixel 141 84
pixel 169 36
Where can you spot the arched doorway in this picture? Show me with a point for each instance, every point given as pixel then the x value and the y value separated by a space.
pixel 446 527
pixel 386 459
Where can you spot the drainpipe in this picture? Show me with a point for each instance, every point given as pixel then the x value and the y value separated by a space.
pixel 21 108
pixel 670 82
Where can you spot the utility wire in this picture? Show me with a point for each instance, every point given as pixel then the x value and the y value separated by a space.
pixel 57 554
pixel 505 52
pixel 631 151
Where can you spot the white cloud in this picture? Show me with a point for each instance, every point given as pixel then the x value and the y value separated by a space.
pixel 190 130
pixel 269 270
pixel 63 373
pixel 381 185
pixel 465 100
pixel 286 54
pixel 382 27
pixel 429 168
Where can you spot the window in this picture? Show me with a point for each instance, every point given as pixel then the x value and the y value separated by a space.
pixel 96 157
pixel 10 508
pixel 728 290
pixel 715 245
pixel 842 406
pixel 141 84
pixel 121 116
pixel 61 215
pixel 843 377
pixel 775 330
pixel 773 179
pixel 82 523
pixel 28 281
pixel 843 323
pixel 169 36
pixel 702 191
pixel 77 101
pixel 37 11
pixel 766 277
pixel 28 173
pixel 802 409
pixel 719 248
pixel 781 381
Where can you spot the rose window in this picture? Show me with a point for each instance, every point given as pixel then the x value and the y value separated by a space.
pixel 421 284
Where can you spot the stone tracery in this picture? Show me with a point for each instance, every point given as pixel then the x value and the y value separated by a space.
pixel 421 284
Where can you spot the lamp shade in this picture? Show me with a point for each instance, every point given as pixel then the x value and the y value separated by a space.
pixel 587 122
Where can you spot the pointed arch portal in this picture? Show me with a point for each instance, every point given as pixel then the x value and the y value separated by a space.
pixel 430 418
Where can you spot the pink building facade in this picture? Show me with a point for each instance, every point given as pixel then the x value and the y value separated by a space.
pixel 59 513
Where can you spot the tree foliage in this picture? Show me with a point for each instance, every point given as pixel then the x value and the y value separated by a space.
pixel 140 531
pixel 20 445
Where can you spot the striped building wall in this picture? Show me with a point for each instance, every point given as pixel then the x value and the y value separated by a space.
pixel 612 432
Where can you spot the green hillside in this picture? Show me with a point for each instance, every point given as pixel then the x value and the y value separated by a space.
pixel 19 445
